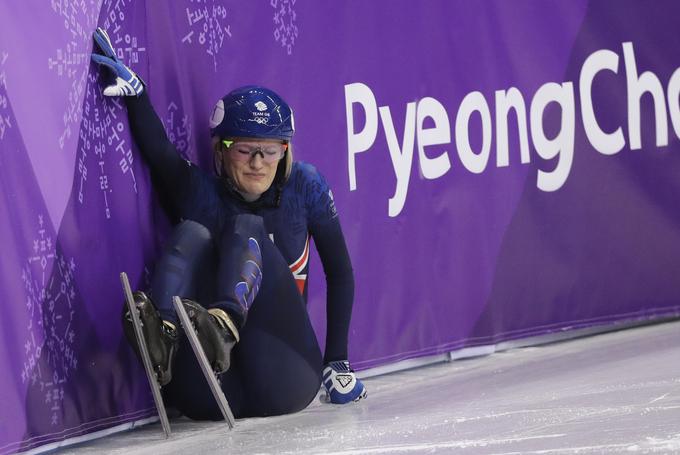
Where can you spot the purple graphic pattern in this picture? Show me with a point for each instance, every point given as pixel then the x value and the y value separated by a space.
pixel 494 179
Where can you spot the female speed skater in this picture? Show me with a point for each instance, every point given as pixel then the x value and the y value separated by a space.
pixel 239 259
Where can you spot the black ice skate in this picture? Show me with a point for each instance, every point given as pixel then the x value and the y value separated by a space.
pixel 216 332
pixel 132 320
pixel 160 336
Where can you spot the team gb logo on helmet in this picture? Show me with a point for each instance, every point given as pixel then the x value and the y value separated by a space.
pixel 260 116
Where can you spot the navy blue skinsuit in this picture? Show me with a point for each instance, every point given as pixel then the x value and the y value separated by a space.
pixel 276 367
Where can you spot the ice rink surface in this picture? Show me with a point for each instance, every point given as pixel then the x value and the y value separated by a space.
pixel 617 392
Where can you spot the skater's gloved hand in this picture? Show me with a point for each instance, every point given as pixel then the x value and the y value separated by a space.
pixel 342 385
pixel 127 82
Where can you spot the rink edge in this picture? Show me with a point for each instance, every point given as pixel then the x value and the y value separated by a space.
pixel 467 352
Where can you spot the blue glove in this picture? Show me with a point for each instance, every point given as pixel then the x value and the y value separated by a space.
pixel 342 385
pixel 127 82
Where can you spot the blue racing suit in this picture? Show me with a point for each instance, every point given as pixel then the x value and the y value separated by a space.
pixel 277 364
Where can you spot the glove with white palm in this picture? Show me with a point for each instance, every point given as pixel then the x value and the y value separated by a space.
pixel 342 385
pixel 127 82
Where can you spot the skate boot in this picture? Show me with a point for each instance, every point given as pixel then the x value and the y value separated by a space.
pixel 160 336
pixel 216 332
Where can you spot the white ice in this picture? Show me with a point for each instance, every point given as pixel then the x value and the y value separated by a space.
pixel 611 393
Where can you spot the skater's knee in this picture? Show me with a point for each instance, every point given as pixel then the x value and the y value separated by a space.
pixel 190 239
pixel 194 230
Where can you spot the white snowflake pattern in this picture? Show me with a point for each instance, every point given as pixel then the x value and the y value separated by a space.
pixel 72 60
pixel 208 27
pixel 178 128
pixel 50 296
pixel 5 119
pixel 285 29
pixel 104 136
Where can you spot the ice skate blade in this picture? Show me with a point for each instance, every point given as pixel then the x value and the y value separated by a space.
pixel 209 374
pixel 146 360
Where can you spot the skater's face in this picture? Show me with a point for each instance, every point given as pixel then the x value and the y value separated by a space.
pixel 251 164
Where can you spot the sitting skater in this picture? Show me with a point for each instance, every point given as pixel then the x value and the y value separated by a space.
pixel 239 259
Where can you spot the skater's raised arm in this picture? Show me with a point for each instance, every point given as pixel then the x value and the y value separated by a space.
pixel 166 164
pixel 147 129
pixel 151 139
